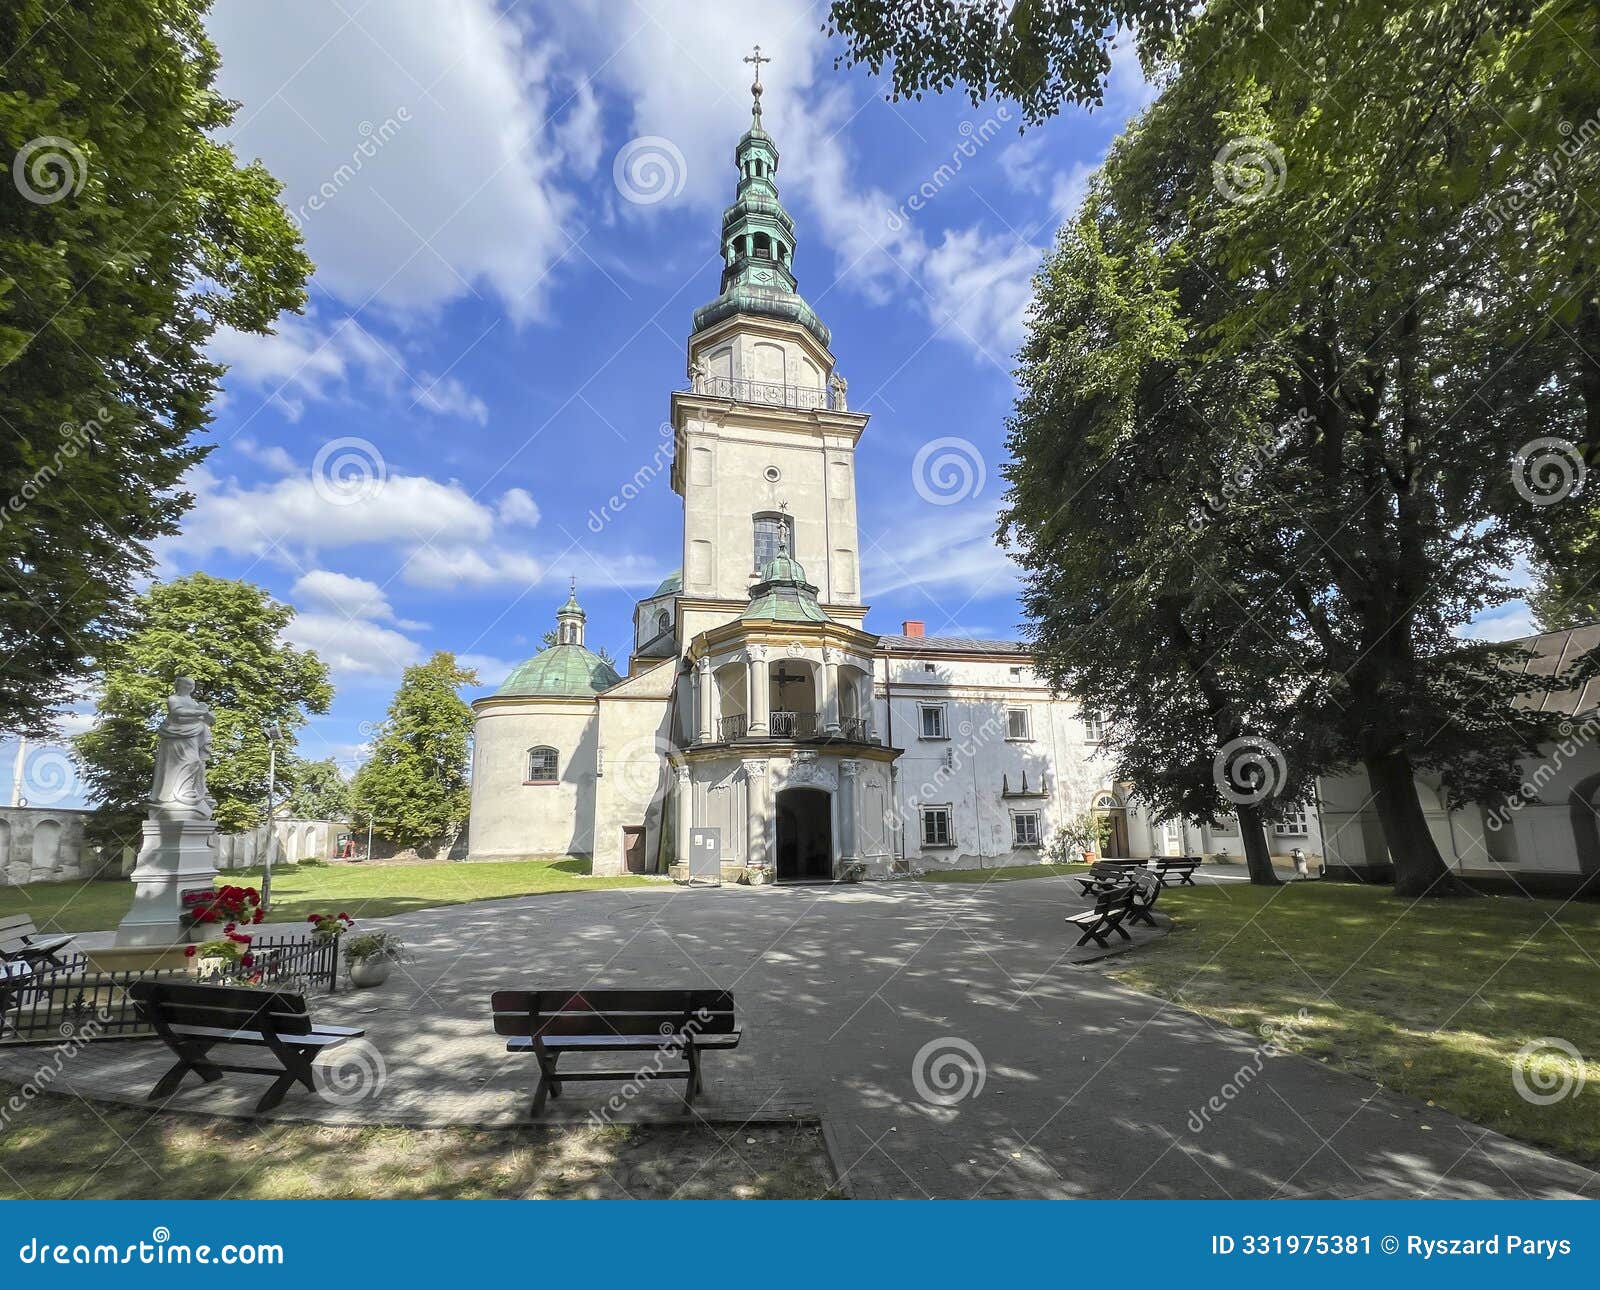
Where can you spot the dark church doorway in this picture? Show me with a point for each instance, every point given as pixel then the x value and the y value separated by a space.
pixel 805 836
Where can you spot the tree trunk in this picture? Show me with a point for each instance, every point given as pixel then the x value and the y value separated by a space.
pixel 1419 869
pixel 1257 854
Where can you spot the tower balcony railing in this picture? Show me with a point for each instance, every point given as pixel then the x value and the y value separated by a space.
pixel 803 398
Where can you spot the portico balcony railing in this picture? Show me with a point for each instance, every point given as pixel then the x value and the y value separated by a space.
pixel 853 730
pixel 733 727
pixel 805 398
pixel 788 724
pixel 795 725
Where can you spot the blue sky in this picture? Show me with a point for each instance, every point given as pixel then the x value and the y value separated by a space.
pixel 514 210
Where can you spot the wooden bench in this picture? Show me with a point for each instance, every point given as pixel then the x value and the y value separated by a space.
pixel 22 942
pixel 1103 876
pixel 672 1023
pixel 1179 868
pixel 1147 889
pixel 1110 909
pixel 194 1019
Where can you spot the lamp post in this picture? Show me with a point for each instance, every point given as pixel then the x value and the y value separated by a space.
pixel 273 734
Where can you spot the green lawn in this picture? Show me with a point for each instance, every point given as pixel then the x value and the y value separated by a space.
pixel 59 1147
pixel 1432 999
pixel 362 890
pixel 1006 873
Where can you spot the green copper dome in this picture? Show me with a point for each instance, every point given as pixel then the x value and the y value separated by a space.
pixel 783 595
pixel 562 671
pixel 758 242
pixel 671 585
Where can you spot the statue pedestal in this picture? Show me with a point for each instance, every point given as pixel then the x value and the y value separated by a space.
pixel 177 856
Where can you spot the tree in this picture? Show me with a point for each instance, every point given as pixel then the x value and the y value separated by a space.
pixel 1348 330
pixel 1040 53
pixel 227 636
pixel 414 786
pixel 129 233
pixel 318 791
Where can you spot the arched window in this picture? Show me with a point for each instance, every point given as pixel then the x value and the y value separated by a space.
pixel 542 765
pixel 772 529
pixel 663 621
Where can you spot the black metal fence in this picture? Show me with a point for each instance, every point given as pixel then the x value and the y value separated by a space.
pixel 78 1003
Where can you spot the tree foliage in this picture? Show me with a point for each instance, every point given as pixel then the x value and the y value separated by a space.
pixel 227 636
pixel 318 791
pixel 128 233
pixel 414 787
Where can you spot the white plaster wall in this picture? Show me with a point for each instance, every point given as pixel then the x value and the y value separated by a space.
pixel 512 818
pixel 634 740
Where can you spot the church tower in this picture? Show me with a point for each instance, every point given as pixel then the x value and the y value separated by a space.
pixel 764 441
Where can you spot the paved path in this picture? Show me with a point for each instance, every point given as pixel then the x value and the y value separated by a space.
pixel 870 1006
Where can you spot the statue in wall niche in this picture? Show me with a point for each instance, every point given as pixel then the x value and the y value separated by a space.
pixel 697 376
pixel 840 388
pixel 185 746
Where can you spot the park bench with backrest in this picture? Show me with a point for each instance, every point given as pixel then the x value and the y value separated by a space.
pixel 1103 875
pixel 22 942
pixel 1179 869
pixel 194 1019
pixel 1111 908
pixel 673 1024
pixel 1147 889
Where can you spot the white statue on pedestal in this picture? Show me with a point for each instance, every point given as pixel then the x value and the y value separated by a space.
pixel 180 781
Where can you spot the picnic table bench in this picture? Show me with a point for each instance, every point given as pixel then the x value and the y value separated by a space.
pixel 22 942
pixel 671 1023
pixel 1103 875
pixel 194 1019
pixel 1180 868
pixel 1111 908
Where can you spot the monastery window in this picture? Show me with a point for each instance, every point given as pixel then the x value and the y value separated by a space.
pixel 1293 823
pixel 931 719
pixel 936 827
pixel 1094 729
pixel 773 530
pixel 543 763
pixel 1019 723
pixel 663 621
pixel 1025 828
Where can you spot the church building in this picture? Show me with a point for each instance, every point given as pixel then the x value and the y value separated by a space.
pixel 757 702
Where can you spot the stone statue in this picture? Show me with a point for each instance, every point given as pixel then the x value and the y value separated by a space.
pixel 697 376
pixel 180 782
pixel 840 387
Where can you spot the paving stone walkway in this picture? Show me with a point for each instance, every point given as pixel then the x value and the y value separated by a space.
pixel 942 1033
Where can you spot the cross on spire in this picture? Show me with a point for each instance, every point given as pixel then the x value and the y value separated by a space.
pixel 756 58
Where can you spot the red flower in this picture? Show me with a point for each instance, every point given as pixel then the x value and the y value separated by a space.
pixel 313 918
pixel 249 960
pixel 260 914
pixel 189 951
pixel 347 918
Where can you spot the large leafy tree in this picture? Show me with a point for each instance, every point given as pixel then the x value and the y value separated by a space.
pixel 318 791
pixel 1343 286
pixel 414 787
pixel 227 636
pixel 129 233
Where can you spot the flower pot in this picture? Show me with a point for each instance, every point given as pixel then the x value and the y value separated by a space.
pixel 366 973
pixel 1088 857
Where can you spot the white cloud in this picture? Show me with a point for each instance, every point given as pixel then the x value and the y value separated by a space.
pixel 342 594
pixel 952 548
pixel 354 646
pixel 440 566
pixel 518 507
pixel 979 288
pixel 413 141
pixel 1506 622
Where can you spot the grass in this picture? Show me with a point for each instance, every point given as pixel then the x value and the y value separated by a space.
pixel 1005 873
pixel 364 890
pixel 61 1148
pixel 1432 999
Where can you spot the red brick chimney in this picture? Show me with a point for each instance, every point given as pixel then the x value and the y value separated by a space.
pixel 912 627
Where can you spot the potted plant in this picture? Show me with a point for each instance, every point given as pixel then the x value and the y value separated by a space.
pixel 1079 835
pixel 227 958
pixel 229 905
pixel 757 875
pixel 370 956
pixel 329 927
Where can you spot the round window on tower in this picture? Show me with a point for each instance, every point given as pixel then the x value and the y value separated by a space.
pixel 773 474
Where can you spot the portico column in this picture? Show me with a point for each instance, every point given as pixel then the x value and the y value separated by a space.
pixel 849 798
pixel 756 675
pixel 758 810
pixel 685 814
pixel 830 690
pixel 702 696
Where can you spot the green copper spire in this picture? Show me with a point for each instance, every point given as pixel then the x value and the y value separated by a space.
pixel 758 236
